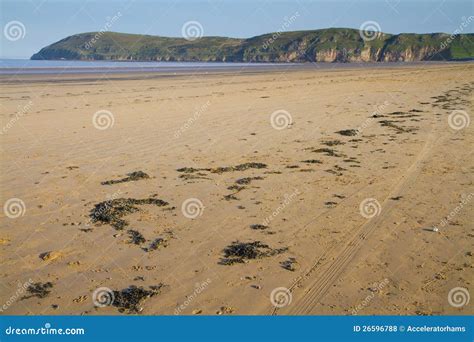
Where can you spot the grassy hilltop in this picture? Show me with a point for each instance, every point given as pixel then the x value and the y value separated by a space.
pixel 326 45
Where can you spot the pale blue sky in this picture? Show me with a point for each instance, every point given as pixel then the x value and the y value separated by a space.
pixel 47 21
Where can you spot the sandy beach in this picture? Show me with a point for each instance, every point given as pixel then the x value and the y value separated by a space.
pixel 328 192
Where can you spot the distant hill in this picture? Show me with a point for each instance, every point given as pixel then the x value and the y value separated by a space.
pixel 326 45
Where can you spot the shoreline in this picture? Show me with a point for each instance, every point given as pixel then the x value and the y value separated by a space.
pixel 215 69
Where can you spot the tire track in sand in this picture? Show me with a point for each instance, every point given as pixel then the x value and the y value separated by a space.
pixel 320 285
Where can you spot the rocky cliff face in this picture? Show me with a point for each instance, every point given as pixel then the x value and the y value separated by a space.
pixel 330 45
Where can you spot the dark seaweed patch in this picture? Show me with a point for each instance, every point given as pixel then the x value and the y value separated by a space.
pixel 327 151
pixel 131 299
pixel 40 290
pixel 348 132
pixel 112 211
pixel 312 161
pixel 240 167
pixel 258 226
pixel 136 237
pixel 239 252
pixel 289 264
pixel 133 176
pixel 247 180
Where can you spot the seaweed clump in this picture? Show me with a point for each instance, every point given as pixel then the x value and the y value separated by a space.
pixel 112 211
pixel 348 132
pixel 133 176
pixel 240 252
pixel 240 167
pixel 40 290
pixel 131 299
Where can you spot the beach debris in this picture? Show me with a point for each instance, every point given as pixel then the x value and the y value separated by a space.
pixel 197 312
pixel 247 180
pixel 131 299
pixel 312 161
pixel 136 237
pixel 289 264
pixel 327 151
pixel 133 176
pixel 240 252
pixel 348 132
pixel 112 211
pixel 156 244
pixel 50 256
pixel 240 167
pixel 40 290
pixel 225 310
pixel 435 229
pixel 332 142
pixel 258 226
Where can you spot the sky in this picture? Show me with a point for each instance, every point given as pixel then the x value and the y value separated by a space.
pixel 42 22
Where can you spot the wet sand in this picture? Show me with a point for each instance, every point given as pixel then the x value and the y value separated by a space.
pixel 232 193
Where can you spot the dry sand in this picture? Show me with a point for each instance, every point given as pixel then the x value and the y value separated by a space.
pixel 334 260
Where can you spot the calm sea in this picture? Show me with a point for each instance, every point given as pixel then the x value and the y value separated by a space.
pixel 25 66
